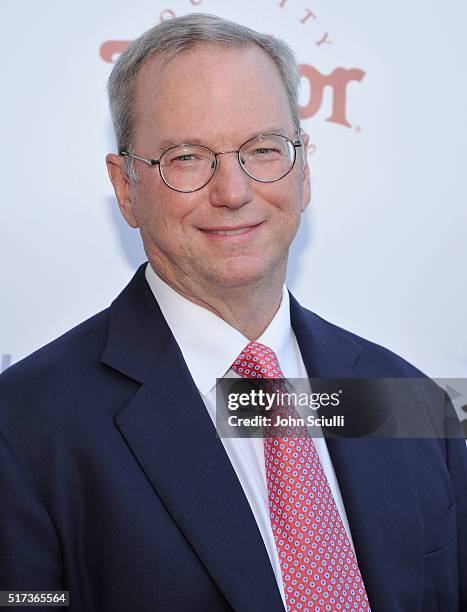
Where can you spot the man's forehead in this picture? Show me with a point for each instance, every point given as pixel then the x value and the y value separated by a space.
pixel 204 54
pixel 226 136
pixel 206 67
pixel 200 93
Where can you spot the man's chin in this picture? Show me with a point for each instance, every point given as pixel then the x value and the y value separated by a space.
pixel 241 275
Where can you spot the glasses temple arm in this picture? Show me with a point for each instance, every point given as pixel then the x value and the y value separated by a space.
pixel 148 162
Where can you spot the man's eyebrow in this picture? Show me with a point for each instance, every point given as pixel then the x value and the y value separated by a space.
pixel 173 142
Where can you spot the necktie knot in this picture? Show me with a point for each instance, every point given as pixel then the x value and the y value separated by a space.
pixel 257 361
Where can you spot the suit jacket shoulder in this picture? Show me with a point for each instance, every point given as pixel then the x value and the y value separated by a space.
pixel 363 357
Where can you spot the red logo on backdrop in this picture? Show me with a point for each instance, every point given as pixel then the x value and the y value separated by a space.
pixel 337 80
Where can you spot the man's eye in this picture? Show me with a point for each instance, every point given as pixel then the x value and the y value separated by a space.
pixel 184 158
pixel 266 152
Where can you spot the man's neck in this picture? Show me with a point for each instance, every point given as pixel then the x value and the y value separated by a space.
pixel 248 309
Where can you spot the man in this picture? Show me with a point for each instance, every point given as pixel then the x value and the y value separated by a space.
pixel 114 484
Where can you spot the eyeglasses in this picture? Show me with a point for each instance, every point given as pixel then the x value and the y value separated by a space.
pixel 186 168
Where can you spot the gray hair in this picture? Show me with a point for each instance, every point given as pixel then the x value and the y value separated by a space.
pixel 174 36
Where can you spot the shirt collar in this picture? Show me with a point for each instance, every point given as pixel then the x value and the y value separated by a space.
pixel 208 343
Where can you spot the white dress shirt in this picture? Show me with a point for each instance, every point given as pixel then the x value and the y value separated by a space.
pixel 209 346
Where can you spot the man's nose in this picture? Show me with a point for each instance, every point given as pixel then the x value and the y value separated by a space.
pixel 230 185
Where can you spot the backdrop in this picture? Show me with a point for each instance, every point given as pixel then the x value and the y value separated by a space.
pixel 382 249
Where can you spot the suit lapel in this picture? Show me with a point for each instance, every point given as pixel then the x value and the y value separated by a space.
pixel 173 438
pixel 373 479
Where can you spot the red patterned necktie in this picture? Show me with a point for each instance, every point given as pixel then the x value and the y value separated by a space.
pixel 318 564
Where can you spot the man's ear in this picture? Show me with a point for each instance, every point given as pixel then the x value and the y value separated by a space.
pixel 305 171
pixel 121 184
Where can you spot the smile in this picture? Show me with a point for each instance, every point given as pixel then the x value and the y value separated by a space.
pixel 231 232
pixel 228 232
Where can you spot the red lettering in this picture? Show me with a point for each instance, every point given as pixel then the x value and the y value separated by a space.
pixel 167 14
pixel 307 16
pixel 338 81
pixel 324 40
pixel 111 48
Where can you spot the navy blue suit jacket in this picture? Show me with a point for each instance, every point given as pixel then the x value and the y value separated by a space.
pixel 114 486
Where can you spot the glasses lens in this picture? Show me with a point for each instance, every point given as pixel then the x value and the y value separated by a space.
pixel 267 158
pixel 187 168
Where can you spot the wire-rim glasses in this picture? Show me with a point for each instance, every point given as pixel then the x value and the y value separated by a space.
pixel 186 168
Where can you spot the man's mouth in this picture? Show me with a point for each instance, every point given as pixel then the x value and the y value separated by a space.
pixel 236 231
pixel 228 232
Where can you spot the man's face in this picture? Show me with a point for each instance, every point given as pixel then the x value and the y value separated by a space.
pixel 219 98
